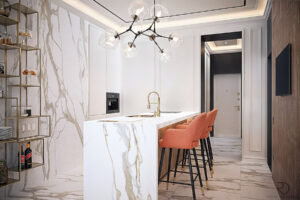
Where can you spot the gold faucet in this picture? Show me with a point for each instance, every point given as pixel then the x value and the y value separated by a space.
pixel 156 113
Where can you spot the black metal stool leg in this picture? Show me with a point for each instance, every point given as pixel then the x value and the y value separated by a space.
pixel 210 151
pixel 191 174
pixel 176 165
pixel 161 163
pixel 203 160
pixel 208 158
pixel 198 171
pixel 211 155
pixel 169 167
pixel 183 158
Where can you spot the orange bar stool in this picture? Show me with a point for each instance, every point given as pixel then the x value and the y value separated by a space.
pixel 202 135
pixel 214 113
pixel 185 139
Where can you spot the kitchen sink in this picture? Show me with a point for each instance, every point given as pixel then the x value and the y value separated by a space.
pixel 170 111
pixel 141 116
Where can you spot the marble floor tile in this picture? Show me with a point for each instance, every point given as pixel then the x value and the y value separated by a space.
pixel 233 179
pixel 62 187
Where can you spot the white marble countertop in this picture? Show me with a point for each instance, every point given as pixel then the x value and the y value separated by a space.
pixel 121 156
pixel 164 120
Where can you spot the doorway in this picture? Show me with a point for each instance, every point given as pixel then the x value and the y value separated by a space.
pixel 221 79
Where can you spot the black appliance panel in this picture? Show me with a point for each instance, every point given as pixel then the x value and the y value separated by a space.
pixel 112 103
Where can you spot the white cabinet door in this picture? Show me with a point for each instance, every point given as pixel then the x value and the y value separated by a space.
pixel 97 73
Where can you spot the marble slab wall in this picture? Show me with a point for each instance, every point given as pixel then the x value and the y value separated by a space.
pixel 63 39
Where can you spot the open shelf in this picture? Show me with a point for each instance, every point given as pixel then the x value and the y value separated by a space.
pixel 32 138
pixel 34 165
pixel 9 46
pixel 24 140
pixel 5 21
pixel 8 76
pixel 9 98
pixel 23 9
pixel 10 181
pixel 25 117
pixel 10 140
pixel 27 47
pixel 24 85
pixel 43 128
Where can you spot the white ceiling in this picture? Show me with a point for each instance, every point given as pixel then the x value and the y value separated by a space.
pixel 225 42
pixel 224 46
pixel 114 13
pixel 198 8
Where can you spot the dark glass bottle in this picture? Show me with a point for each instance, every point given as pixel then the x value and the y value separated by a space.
pixel 28 156
pixel 22 158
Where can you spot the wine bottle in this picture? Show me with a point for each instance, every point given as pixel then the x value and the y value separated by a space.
pixel 22 158
pixel 28 156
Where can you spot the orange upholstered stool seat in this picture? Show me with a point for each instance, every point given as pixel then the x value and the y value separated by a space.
pixel 183 139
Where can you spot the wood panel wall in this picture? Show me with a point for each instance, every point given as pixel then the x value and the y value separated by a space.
pixel 286 110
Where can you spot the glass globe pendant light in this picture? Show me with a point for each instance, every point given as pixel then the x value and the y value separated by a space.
pixel 138 10
pixel 109 39
pixel 175 40
pixel 164 56
pixel 158 11
pixel 130 50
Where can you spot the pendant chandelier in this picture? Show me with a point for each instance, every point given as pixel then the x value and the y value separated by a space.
pixel 138 11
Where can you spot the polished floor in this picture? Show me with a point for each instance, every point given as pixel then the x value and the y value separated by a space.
pixel 233 179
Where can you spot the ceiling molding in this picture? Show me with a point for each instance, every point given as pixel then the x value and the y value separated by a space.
pixel 213 49
pixel 94 14
pixel 244 3
pixel 259 12
pixel 263 8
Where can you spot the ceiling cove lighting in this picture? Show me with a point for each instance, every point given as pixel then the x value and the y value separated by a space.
pixel 94 14
pixel 138 11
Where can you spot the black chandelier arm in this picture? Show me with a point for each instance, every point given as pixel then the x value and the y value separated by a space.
pixel 162 36
pixel 146 35
pixel 158 35
pixel 119 34
pixel 132 43
pixel 134 19
pixel 149 28
pixel 160 49
pixel 127 30
pixel 133 32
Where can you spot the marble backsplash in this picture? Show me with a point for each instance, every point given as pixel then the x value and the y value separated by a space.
pixel 63 39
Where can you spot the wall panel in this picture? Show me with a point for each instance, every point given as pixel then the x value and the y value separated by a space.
pixel 256 88
pixel 285 109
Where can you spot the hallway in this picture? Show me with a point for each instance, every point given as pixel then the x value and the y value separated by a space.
pixel 233 178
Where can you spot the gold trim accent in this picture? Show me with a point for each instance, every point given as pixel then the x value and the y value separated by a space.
pixel 20 8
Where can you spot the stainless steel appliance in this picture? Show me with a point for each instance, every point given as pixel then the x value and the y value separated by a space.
pixel 112 102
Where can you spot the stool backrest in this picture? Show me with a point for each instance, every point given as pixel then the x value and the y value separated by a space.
pixel 213 117
pixel 199 125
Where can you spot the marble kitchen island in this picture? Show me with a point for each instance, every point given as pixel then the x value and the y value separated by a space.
pixel 121 156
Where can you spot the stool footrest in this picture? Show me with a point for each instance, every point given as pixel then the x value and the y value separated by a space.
pixel 175 182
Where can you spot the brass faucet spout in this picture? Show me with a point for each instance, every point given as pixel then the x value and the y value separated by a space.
pixel 157 113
